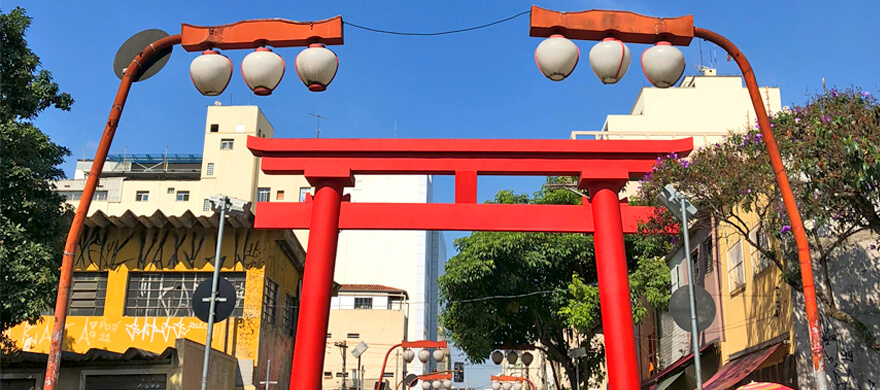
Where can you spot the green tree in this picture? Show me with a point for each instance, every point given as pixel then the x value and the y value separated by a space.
pixel 548 283
pixel 33 217
pixel 830 149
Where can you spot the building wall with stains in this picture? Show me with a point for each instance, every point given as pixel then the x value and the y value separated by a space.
pixel 121 252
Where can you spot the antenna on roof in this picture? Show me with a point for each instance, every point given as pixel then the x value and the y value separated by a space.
pixel 318 128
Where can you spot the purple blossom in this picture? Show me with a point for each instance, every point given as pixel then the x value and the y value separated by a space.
pixel 873 247
pixel 717 145
pixel 866 94
pixel 834 93
pixel 785 229
pixel 797 120
pixel 826 118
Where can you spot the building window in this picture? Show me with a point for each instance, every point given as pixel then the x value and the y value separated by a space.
pixel 279 195
pixel 363 303
pixel 328 375
pixel 263 194
pixel 215 127
pixel 291 312
pixel 760 262
pixel 183 196
pixel 142 196
pixel 87 293
pixel 170 190
pixel 270 301
pixel 736 275
pixel 353 335
pixel 210 170
pixel 100 195
pixel 77 195
pixel 207 205
pixel 329 335
pixel 304 192
pixel 226 144
pixel 169 294
pixel 707 255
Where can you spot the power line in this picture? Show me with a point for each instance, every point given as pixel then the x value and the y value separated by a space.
pixel 376 30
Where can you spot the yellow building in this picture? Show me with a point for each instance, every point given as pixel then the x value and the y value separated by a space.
pixel 150 239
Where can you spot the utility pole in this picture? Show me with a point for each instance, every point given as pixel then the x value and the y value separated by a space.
pixel 342 347
pixel 318 128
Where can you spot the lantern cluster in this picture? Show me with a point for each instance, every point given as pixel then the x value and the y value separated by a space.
pixel 437 384
pixel 496 385
pixel 263 69
pixel 512 357
pixel 662 63
pixel 424 355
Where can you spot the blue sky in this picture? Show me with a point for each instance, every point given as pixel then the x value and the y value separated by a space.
pixel 480 84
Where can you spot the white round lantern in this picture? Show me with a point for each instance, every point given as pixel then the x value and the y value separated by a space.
pixel 557 57
pixel 609 60
pixel 316 66
pixel 408 355
pixel 506 385
pixel 424 355
pixel 512 357
pixel 438 355
pixel 426 385
pixel 496 385
pixel 517 386
pixel 437 384
pixel 527 358
pixel 262 70
pixel 447 384
pixel 210 72
pixel 663 64
pixel 497 357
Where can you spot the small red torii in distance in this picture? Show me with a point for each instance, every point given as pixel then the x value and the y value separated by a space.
pixel 602 167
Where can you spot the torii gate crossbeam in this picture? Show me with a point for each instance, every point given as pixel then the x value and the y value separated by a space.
pixel 602 167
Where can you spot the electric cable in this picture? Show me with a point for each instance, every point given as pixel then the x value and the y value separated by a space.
pixel 376 30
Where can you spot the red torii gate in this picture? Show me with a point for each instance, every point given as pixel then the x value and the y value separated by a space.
pixel 602 167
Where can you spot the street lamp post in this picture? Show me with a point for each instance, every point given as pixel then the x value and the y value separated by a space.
pixel 661 65
pixel 425 354
pixel 210 76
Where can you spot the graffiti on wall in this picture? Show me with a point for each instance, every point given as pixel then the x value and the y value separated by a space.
pixel 142 248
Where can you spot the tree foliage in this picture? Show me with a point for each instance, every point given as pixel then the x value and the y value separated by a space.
pixel 33 217
pixel 829 147
pixel 547 284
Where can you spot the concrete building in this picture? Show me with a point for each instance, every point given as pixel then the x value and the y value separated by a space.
pixel 708 107
pixel 369 313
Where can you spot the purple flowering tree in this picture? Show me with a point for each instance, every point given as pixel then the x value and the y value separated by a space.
pixel 830 149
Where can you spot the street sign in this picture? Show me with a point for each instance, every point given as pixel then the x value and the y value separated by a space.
pixel 357 351
pixel 679 307
pixel 458 375
pixel 576 353
pixel 225 305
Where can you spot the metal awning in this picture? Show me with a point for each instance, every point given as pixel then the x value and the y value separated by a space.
pixel 668 381
pixel 735 370
pixel 658 377
pixel 159 220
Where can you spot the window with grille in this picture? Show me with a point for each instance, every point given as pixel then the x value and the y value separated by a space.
pixel 87 293
pixel 263 194
pixel 735 273
pixel 142 196
pixel 291 312
pixel 760 262
pixel 169 294
pixel 353 335
pixel 209 171
pixel 303 192
pixel 207 205
pixel 226 144
pixel 182 196
pixel 170 190
pixel 270 301
pixel 363 303
pixel 100 195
